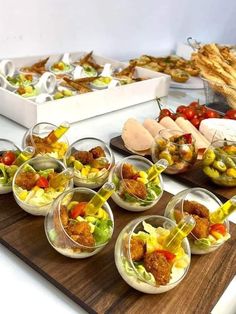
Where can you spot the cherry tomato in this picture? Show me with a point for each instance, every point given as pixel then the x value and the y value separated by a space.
pixel 194 104
pixel 220 228
pixel 168 255
pixel 211 114
pixel 190 112
pixel 78 210
pixel 181 109
pixel 195 122
pixel 231 114
pixel 165 112
pixel 42 182
pixel 8 158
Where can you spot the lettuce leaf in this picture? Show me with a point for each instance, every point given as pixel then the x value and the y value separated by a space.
pixel 103 231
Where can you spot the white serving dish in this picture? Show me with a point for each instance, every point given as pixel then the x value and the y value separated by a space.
pixel 80 107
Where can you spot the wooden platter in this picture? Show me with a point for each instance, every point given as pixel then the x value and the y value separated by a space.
pixel 95 283
pixel 194 177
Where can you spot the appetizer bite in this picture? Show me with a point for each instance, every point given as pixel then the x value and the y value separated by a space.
pixel 38 182
pixel 21 80
pixel 152 253
pixel 138 183
pixel 177 148
pixel 61 68
pixel 89 65
pixel 10 159
pixel 47 139
pixel 212 227
pixel 219 163
pixel 91 160
pixel 101 82
pixel 28 91
pixel 37 68
pixel 80 222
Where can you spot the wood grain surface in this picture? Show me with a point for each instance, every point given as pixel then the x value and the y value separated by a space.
pixel 9 211
pixel 194 177
pixel 95 283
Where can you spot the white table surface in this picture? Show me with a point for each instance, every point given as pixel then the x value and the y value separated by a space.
pixel 22 289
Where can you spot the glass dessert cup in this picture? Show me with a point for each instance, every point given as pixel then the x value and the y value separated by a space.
pixel 202 240
pixel 180 155
pixel 36 137
pixel 219 163
pixel 134 270
pixel 32 184
pixel 135 201
pixel 57 231
pixel 8 153
pixel 92 160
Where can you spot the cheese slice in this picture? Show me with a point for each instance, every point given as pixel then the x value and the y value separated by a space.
pixel 218 129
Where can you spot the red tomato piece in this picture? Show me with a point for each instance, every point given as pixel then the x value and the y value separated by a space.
pixel 181 109
pixel 168 255
pixel 220 228
pixel 8 158
pixel 211 114
pixel 195 122
pixel 78 210
pixel 42 182
pixel 194 104
pixel 231 114
pixel 190 112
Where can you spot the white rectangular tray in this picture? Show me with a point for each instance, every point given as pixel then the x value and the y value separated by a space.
pixel 84 106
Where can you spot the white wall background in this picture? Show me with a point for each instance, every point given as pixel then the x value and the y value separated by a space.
pixel 120 29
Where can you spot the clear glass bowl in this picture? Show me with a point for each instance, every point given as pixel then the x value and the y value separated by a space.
pixel 89 171
pixel 126 266
pixel 131 201
pixel 175 209
pixel 37 200
pixel 34 137
pixel 219 93
pixel 181 157
pixel 56 234
pixel 8 170
pixel 219 163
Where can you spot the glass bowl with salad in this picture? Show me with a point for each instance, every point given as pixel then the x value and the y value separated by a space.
pixel 47 139
pixel 177 147
pixel 209 232
pixel 91 159
pixel 76 229
pixel 38 181
pixel 145 261
pixel 8 155
pixel 219 163
pixel 137 187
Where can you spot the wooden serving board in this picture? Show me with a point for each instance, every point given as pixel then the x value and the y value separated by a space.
pixel 194 177
pixel 95 283
pixel 9 212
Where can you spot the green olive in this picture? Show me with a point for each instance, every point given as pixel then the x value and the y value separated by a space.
pixel 211 172
pixel 219 165
pixel 208 157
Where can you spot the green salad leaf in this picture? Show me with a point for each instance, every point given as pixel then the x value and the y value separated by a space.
pixel 103 231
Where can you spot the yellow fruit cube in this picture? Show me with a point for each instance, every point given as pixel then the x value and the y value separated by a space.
pixel 143 180
pixel 143 174
pixel 23 195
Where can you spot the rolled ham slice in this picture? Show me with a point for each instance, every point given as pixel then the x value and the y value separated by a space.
pixel 186 126
pixel 169 123
pixel 153 127
pixel 136 138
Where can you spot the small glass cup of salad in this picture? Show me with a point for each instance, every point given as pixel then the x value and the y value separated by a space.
pixel 139 185
pixel 209 232
pixel 80 223
pixel 177 147
pixel 38 182
pixel 92 160
pixel 8 155
pixel 148 258
pixel 47 139
pixel 219 163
